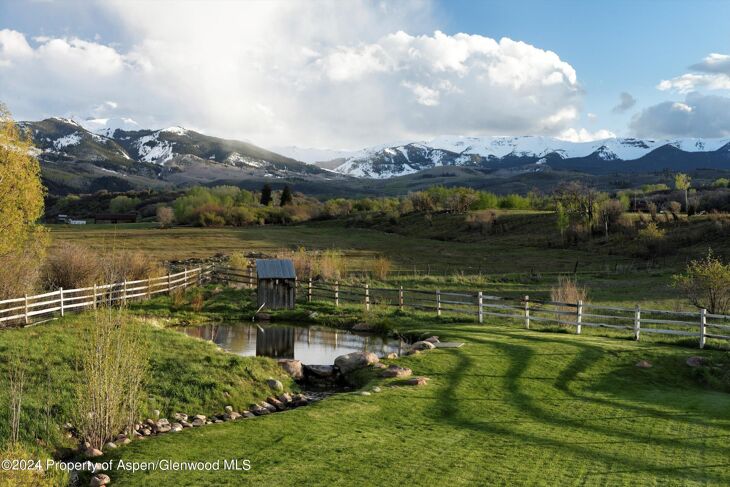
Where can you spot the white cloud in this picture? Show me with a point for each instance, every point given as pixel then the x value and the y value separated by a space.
pixel 583 135
pixel 626 101
pixel 713 73
pixel 697 116
pixel 305 73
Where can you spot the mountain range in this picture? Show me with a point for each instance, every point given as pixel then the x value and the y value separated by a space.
pixel 116 154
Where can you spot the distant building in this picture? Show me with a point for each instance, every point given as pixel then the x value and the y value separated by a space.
pixel 115 218
pixel 277 283
pixel 76 222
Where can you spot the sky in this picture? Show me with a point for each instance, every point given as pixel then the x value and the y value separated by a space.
pixel 352 73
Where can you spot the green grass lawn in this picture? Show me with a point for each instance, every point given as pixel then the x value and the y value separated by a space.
pixel 512 407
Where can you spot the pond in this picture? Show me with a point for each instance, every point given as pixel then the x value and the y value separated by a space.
pixel 310 344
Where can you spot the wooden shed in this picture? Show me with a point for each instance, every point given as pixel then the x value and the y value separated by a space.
pixel 277 283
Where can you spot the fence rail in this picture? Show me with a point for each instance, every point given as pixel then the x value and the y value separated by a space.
pixel 22 310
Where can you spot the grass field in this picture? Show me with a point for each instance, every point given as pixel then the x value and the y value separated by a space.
pixel 512 407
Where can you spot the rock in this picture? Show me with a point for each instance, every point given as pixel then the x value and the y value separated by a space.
pixel 217 421
pixel 198 422
pixel 156 413
pixel 696 361
pixel 121 437
pixel 434 339
pixel 99 480
pixel 293 368
pixel 162 426
pixel 229 409
pixel 364 393
pixel 258 410
pixel 354 361
pixel 320 371
pixel 414 381
pixel 185 424
pixel 270 407
pixel 280 406
pixel 413 352
pixel 247 414
pixel 180 416
pixel 93 453
pixel 392 356
pixel 263 317
pixel 275 385
pixel 643 364
pixel 380 365
pixel 313 315
pixel 175 427
pixel 285 398
pixel 146 431
pixel 423 345
pixel 125 441
pixel 397 372
pixel 297 403
pixel 110 446
pixel 232 416
pixel 200 416
pixel 362 327
pixel 376 389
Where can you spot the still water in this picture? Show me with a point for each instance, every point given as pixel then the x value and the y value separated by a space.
pixel 311 345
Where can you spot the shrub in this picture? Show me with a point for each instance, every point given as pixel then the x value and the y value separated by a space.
pixel 72 266
pixel 131 265
pixel 651 232
pixel 113 366
pixel 123 204
pixel 29 477
pixel 331 264
pixel 165 216
pixel 381 267
pixel 706 283
pixel 482 221
pixel 197 300
pixel 20 273
pixel 567 291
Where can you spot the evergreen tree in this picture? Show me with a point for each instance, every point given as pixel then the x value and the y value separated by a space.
pixel 266 195
pixel 286 196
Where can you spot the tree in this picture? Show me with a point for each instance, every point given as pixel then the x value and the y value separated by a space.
pixel 286 196
pixel 21 191
pixel 165 216
pixel 579 201
pixel 266 195
pixel 706 283
pixel 563 221
pixel 123 204
pixel 682 182
pixel 610 211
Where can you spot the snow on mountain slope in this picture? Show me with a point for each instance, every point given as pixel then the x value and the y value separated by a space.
pixel 310 155
pixel 107 126
pixel 389 160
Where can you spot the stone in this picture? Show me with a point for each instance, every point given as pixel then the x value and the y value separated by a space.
pixel 413 352
pixel 423 345
pixel 180 416
pixel 354 361
pixel 313 315
pixel 258 410
pixel 232 416
pixel 696 361
pixel 275 385
pixel 413 381
pixel 380 365
pixel 185 424
pixel 434 339
pixel 362 327
pixel 364 393
pixel 217 421
pixel 270 407
pixel 395 371
pixel 175 427
pixel 121 437
pixel 392 356
pixel 146 431
pixel 229 409
pixel 156 413
pixel 162 426
pixel 280 406
pixel 125 441
pixel 320 371
pixel 248 414
pixel 376 389
pixel 99 480
pixel 197 422
pixel 93 453
pixel 285 398
pixel 110 445
pixel 293 368
pixel 199 416
pixel 643 364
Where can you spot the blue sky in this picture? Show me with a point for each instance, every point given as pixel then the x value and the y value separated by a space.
pixel 352 73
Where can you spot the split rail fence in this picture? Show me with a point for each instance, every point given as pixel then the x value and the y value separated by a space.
pixel 24 310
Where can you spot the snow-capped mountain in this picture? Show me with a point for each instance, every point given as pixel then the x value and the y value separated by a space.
pixel 390 160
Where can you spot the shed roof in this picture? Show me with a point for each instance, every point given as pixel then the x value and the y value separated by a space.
pixel 275 269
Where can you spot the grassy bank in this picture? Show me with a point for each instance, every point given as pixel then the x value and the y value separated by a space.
pixel 511 407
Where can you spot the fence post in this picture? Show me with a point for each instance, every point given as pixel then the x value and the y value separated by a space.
pixel 200 275
pixel 527 312
pixel 60 294
pixel 124 294
pixel 480 304
pixel 250 277
pixel 94 296
pixel 185 278
pixel 26 309
pixel 149 287
pixel 637 322
pixel 367 297
pixel 400 298
pixel 337 293
pixel 169 281
pixel 579 317
pixel 309 291
pixel 438 302
pixel 703 325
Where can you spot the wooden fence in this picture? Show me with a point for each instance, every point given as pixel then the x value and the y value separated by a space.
pixel 23 310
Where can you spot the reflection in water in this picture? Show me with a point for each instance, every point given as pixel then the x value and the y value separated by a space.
pixel 311 345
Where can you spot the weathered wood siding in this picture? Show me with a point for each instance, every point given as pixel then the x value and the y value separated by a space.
pixel 277 293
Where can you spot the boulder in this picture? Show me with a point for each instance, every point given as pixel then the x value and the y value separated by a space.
pixel 320 371
pixel 423 345
pixel 380 365
pixel 275 385
pixel 232 416
pixel 197 422
pixel 392 356
pixel 162 426
pixel 99 480
pixel 696 361
pixel 413 381
pixel 175 427
pixel 180 417
pixel 93 453
pixel 248 414
pixel 643 364
pixel 110 445
pixel 124 441
pixel 258 410
pixel 354 361
pixel 185 424
pixel 376 389
pixel 285 398
pixel 280 406
pixel 270 407
pixel 293 368
pixel 364 393
pixel 395 371
pixel 146 431
pixel 433 339
pixel 229 409
pixel 156 413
